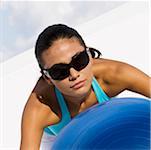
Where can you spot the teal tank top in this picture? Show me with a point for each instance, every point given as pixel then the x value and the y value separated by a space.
pixel 66 118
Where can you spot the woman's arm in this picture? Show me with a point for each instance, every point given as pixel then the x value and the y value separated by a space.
pixel 123 76
pixel 135 80
pixel 35 117
pixel 31 133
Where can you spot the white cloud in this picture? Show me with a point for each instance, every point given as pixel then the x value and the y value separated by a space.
pixel 24 42
pixel 26 19
pixel 39 14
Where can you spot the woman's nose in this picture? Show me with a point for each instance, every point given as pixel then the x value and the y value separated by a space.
pixel 74 74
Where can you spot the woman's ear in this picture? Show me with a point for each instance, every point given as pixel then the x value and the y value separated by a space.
pixel 47 79
pixel 90 57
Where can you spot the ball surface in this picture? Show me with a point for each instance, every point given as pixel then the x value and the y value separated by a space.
pixel 121 123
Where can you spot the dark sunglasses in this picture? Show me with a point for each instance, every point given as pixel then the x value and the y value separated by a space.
pixel 62 70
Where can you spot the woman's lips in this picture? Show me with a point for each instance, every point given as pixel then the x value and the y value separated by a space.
pixel 79 85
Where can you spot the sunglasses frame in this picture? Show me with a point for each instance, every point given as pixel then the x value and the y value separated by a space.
pixel 46 73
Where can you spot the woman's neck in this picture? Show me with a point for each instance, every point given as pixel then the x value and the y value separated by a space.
pixel 77 101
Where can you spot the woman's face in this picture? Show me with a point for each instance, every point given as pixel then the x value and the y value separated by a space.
pixel 62 51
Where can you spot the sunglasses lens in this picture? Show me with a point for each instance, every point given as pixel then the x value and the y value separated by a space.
pixel 81 61
pixel 59 72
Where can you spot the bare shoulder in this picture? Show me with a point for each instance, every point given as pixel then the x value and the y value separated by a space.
pixel 40 114
pixel 111 69
pixel 106 68
pixel 37 115
pixel 45 94
pixel 106 71
pixel 116 76
pixel 39 105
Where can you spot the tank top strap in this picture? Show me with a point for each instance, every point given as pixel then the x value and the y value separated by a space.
pixel 66 118
pixel 62 103
pixel 100 94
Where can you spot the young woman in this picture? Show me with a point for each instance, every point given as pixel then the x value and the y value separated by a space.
pixel 73 79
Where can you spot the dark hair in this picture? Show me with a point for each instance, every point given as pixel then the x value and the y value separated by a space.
pixel 53 33
pixel 95 53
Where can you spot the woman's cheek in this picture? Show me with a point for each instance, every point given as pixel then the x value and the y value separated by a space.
pixel 88 71
pixel 63 85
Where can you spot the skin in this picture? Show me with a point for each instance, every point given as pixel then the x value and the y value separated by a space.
pixel 42 108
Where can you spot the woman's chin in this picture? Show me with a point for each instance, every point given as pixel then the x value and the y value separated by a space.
pixel 81 91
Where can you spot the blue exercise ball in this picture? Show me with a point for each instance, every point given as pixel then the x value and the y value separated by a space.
pixel 121 123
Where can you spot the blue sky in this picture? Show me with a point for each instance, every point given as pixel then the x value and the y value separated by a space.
pixel 22 21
